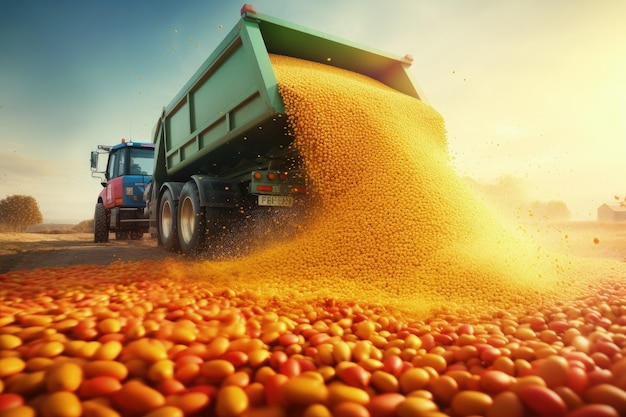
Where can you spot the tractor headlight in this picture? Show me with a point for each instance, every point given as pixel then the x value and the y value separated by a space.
pixel 129 191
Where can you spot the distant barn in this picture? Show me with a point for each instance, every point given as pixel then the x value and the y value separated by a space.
pixel 612 212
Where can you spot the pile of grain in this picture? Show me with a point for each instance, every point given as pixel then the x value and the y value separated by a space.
pixel 395 225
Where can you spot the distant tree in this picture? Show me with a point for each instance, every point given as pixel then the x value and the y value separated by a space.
pixel 86 226
pixel 549 210
pixel 507 195
pixel 17 212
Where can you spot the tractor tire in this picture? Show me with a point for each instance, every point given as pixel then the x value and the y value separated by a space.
pixel 192 226
pixel 167 222
pixel 100 224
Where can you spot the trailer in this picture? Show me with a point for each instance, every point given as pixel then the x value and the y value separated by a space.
pixel 223 149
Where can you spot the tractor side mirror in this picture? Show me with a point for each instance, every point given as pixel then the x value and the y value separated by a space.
pixel 94 161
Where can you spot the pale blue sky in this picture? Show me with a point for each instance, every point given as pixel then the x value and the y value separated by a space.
pixel 533 88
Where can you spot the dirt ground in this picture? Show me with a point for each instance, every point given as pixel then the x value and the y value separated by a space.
pixel 605 240
pixel 37 250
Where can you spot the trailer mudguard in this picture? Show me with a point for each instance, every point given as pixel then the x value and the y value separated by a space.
pixel 218 192
pixel 174 187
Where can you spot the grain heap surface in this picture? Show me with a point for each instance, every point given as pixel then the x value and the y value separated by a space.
pixel 394 225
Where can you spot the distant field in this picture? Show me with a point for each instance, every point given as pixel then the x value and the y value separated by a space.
pixel 46 228
pixel 59 228
pixel 591 239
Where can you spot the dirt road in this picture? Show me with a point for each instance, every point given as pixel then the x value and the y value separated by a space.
pixel 35 250
pixel 605 240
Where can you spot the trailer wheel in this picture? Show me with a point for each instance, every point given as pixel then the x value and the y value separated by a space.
pixel 167 233
pixel 191 220
pixel 100 224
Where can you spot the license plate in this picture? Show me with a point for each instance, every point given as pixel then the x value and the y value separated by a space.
pixel 276 200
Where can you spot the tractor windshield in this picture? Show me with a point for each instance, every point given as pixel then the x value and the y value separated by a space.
pixel 141 161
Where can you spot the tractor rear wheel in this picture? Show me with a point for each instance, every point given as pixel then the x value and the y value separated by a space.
pixel 122 235
pixel 100 224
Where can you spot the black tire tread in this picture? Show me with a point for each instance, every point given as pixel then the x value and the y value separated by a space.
pixel 100 224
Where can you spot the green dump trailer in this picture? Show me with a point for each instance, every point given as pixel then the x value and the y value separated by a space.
pixel 222 146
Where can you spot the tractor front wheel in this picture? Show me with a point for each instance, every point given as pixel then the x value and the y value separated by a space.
pixel 100 224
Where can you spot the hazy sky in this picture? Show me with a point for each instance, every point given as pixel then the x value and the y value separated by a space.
pixel 534 88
